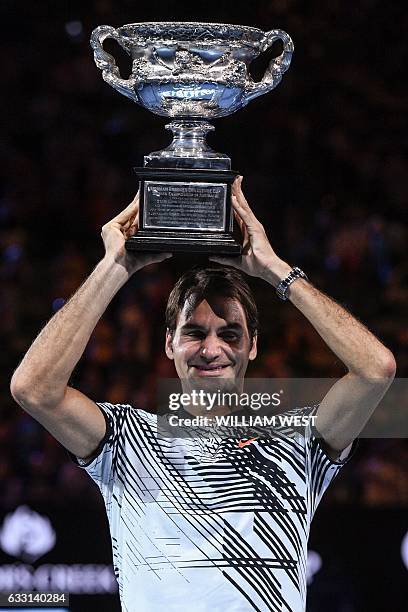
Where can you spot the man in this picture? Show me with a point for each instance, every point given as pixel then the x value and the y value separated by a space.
pixel 204 524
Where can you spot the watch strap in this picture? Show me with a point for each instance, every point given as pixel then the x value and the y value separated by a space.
pixel 282 288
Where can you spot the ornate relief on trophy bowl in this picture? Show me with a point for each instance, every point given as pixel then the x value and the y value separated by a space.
pixel 193 70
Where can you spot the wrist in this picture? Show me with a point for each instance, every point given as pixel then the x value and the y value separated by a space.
pixel 275 271
pixel 114 270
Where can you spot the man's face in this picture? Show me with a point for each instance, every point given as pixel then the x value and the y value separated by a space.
pixel 211 342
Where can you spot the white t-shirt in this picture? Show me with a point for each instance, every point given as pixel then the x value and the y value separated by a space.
pixel 205 524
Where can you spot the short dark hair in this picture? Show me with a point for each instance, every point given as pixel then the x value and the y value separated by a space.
pixel 200 283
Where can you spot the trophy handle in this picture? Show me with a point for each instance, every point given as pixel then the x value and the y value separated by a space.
pixel 277 67
pixel 106 62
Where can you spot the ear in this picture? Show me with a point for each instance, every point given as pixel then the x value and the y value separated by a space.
pixel 254 349
pixel 168 345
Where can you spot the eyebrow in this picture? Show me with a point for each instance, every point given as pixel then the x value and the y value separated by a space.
pixel 229 327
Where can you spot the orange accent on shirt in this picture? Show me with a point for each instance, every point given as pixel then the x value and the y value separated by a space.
pixel 242 443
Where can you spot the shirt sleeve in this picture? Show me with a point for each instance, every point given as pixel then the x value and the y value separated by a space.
pixel 322 469
pixel 101 463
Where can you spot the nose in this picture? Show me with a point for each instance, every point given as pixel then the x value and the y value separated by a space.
pixel 210 347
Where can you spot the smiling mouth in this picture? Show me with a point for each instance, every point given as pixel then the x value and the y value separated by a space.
pixel 210 370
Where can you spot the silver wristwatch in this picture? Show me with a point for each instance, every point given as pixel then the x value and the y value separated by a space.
pixel 283 286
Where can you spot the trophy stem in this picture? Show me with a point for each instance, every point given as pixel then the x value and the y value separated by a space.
pixel 189 148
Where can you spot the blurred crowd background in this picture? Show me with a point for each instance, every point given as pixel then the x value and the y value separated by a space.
pixel 325 169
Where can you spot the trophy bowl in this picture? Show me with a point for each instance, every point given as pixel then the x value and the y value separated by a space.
pixel 192 73
pixel 192 70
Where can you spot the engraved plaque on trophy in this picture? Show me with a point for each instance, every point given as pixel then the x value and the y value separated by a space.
pixel 190 72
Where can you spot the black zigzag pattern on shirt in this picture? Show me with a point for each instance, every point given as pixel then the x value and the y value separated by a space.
pixel 199 486
pixel 249 565
pixel 242 479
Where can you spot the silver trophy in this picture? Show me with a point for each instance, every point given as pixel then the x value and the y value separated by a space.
pixel 191 72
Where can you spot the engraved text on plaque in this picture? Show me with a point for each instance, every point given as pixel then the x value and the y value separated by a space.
pixel 193 205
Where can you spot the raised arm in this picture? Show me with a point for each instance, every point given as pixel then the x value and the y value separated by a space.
pixel 348 405
pixel 40 383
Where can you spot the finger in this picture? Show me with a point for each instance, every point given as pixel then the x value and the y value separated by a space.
pixel 243 213
pixel 125 226
pixel 238 219
pixel 237 190
pixel 132 224
pixel 128 212
pixel 240 222
pixel 134 202
pixel 251 222
pixel 134 218
pixel 126 217
pixel 243 230
pixel 235 182
pixel 237 185
pixel 237 193
pixel 134 227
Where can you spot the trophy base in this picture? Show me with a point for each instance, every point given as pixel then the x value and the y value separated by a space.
pixel 189 242
pixel 185 211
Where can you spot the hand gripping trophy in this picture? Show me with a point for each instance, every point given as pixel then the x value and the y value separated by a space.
pixel 191 72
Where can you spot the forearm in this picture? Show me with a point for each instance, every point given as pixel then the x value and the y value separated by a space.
pixel 360 351
pixel 44 372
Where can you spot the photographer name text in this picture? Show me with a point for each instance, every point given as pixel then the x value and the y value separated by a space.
pixel 231 420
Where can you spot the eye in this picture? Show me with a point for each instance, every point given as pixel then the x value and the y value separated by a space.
pixel 229 337
pixel 195 333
